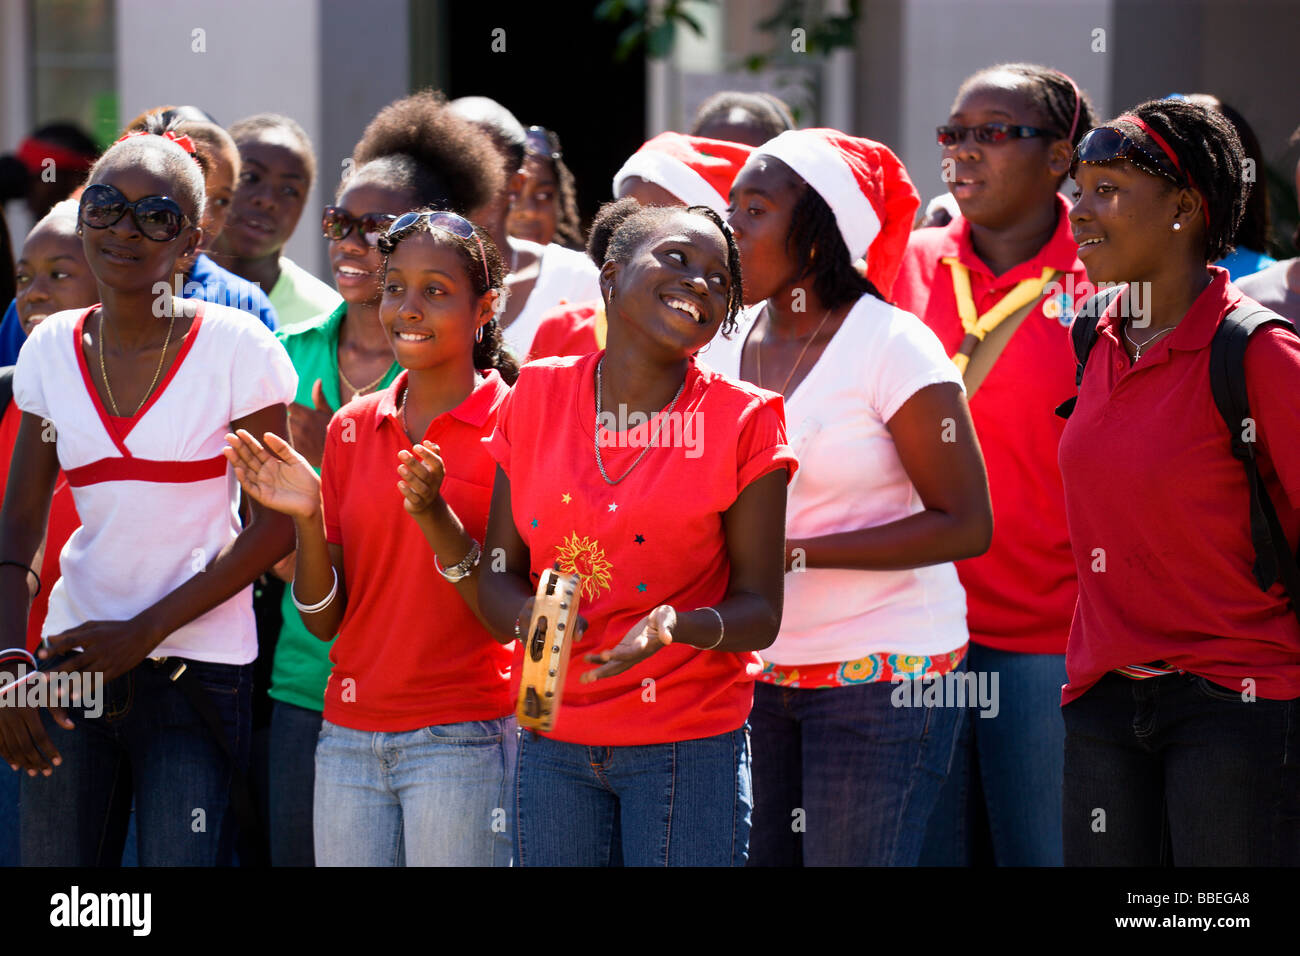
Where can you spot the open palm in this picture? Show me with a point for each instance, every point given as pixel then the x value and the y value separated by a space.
pixel 275 475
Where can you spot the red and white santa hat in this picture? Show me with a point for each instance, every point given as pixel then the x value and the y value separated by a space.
pixel 865 185
pixel 696 170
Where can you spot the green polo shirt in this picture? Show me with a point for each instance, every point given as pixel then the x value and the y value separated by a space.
pixel 302 661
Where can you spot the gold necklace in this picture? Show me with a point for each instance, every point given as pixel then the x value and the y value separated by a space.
pixel 758 356
pixel 103 369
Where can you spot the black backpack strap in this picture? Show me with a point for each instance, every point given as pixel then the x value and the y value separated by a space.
pixel 1083 336
pixel 1273 557
pixel 6 387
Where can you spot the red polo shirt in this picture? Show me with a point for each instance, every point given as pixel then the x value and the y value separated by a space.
pixel 410 653
pixel 569 330
pixel 654 538
pixel 1158 508
pixel 63 521
pixel 1020 593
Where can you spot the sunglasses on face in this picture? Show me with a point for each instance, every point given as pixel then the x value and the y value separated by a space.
pixel 156 217
pixel 539 141
pixel 337 224
pixel 986 133
pixel 1106 144
pixel 458 226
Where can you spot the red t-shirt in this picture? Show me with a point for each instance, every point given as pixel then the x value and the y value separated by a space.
pixel 1159 508
pixel 1020 593
pixel 655 538
pixel 410 653
pixel 570 330
pixel 63 521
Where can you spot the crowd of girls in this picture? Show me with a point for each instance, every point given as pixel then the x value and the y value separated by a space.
pixel 803 457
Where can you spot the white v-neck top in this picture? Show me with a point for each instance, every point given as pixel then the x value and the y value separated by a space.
pixel 849 478
pixel 157 500
pixel 564 275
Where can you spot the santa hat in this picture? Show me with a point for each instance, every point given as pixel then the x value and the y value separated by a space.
pixel 696 170
pixel 865 185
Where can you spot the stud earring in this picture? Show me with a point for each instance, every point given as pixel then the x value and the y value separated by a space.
pixel 1177 226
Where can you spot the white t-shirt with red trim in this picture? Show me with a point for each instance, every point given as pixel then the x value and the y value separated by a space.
pixel 850 477
pixel 156 497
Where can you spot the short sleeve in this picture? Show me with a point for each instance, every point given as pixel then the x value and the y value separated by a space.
pixel 761 446
pixel 1272 379
pixel 29 392
pixel 262 374
pixel 498 443
pixel 331 473
pixel 910 358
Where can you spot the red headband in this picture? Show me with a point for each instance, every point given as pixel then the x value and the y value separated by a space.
pixel 180 139
pixel 1173 158
pixel 32 153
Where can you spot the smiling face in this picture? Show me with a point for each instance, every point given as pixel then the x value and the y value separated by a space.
pixel 674 287
pixel 357 265
pixel 535 210
pixel 429 308
pixel 120 256
pixel 995 183
pixel 52 273
pixel 1122 219
pixel 268 199
pixel 763 197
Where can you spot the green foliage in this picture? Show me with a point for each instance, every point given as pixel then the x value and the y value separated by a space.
pixel 822 34
pixel 649 30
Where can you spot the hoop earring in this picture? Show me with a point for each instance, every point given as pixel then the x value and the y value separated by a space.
pixel 478 334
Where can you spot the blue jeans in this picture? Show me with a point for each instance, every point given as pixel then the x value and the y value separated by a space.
pixel 437 796
pixel 1179 770
pixel 685 803
pixel 843 776
pixel 292 783
pixel 8 817
pixel 1003 795
pixel 149 743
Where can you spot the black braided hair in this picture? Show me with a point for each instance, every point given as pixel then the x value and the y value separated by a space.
pixel 1253 233
pixel 1210 153
pixel 568 223
pixel 813 226
pixel 637 223
pixel 251 127
pixel 490 352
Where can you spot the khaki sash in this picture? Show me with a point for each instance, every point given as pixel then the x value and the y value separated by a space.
pixel 988 334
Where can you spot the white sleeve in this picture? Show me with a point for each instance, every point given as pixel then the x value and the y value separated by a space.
pixel 29 392
pixel 261 374
pixel 908 357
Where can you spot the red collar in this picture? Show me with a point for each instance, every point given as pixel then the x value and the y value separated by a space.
pixel 473 411
pixel 1200 323
pixel 1060 252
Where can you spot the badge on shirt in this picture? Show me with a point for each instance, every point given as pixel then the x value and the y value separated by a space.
pixel 1059 307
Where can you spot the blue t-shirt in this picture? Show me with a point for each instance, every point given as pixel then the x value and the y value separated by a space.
pixel 1244 262
pixel 206 281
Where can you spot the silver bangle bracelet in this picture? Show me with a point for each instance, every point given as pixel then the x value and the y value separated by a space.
pixel 721 625
pixel 321 604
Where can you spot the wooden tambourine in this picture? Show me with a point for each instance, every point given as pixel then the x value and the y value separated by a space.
pixel 546 649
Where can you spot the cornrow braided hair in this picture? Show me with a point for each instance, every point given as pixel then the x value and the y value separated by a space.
pixel 1210 154
pixel 490 353
pixel 637 222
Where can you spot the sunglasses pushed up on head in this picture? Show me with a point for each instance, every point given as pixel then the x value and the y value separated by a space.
pixel 450 222
pixel 156 217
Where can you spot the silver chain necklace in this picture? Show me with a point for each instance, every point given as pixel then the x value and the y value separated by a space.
pixel 1137 349
pixel 596 434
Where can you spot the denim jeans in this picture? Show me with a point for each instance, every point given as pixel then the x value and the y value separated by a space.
pixel 843 776
pixel 437 796
pixel 292 784
pixel 149 743
pixel 8 817
pixel 1178 770
pixel 685 803
pixel 1003 795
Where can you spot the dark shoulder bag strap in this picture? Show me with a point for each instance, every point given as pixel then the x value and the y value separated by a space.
pixel 1273 557
pixel 6 387
pixel 1083 336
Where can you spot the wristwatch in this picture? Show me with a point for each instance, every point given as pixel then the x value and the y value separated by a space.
pixel 467 564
